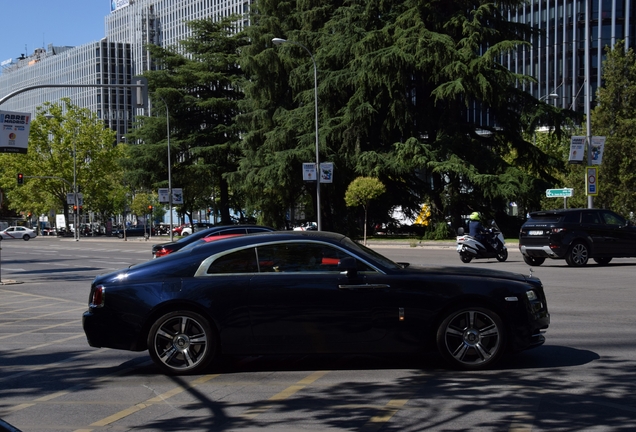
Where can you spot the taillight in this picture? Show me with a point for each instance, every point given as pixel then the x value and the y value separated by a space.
pixel 161 252
pixel 98 297
pixel 557 230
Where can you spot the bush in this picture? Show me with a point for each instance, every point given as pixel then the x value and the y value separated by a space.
pixel 442 231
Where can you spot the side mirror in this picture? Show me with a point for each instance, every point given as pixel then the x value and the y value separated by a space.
pixel 348 266
pixel 460 231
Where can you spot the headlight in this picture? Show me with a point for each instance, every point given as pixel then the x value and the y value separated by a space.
pixel 532 296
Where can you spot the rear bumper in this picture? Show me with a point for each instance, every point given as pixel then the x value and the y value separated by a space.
pixel 540 251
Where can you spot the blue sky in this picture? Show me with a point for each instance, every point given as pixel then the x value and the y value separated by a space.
pixel 37 23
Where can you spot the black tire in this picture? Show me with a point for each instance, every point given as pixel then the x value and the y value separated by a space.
pixel 534 261
pixel 471 338
pixel 120 235
pixel 502 256
pixel 26 237
pixel 465 258
pixel 603 261
pixel 577 255
pixel 182 342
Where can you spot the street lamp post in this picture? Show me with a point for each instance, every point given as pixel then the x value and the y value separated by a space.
pixel 76 212
pixel 279 41
pixel 551 96
pixel 169 165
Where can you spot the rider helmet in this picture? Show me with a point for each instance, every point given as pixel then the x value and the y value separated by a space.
pixel 475 216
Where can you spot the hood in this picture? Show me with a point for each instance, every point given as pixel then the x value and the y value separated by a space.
pixel 467 271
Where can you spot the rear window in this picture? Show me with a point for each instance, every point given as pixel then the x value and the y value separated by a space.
pixel 545 218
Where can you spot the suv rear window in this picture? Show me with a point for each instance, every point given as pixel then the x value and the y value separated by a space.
pixel 545 218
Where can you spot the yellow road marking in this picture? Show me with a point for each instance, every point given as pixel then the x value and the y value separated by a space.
pixel 152 401
pixel 289 391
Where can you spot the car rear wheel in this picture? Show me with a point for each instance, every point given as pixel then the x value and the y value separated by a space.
pixel 182 342
pixel 120 235
pixel 465 258
pixel 578 255
pixel 603 261
pixel 26 237
pixel 533 261
pixel 471 338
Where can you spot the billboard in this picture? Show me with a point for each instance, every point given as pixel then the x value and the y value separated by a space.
pixel 14 131
pixel 118 4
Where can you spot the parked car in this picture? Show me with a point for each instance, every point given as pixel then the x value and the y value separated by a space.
pixel 576 235
pixel 195 227
pixel 163 249
pixel 287 292
pixel 177 230
pixel 18 232
pixel 134 231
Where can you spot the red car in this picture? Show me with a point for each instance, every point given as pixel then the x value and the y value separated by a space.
pixel 177 230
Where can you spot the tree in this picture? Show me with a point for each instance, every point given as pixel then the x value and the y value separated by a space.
pixel 405 88
pixel 613 117
pixel 362 191
pixel 199 83
pixel 61 135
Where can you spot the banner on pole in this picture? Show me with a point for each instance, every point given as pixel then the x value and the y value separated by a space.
pixel 14 131
pixel 598 144
pixel 577 149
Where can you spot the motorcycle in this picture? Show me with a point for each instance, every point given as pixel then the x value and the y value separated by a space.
pixel 470 248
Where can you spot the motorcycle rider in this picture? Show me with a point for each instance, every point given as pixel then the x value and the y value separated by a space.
pixel 477 230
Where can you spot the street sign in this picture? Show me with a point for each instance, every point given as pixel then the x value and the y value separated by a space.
pixel 559 193
pixel 591 183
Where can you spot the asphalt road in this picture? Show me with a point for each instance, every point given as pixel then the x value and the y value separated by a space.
pixel 51 380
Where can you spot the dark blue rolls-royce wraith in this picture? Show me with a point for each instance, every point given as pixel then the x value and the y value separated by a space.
pixel 310 292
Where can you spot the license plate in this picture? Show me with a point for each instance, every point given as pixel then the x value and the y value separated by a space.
pixel 539 232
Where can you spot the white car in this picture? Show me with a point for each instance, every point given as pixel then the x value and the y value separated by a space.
pixel 18 232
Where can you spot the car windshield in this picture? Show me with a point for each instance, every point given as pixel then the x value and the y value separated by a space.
pixel 378 257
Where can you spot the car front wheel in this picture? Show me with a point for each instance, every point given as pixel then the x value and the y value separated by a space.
pixel 471 338
pixel 182 342
pixel 578 255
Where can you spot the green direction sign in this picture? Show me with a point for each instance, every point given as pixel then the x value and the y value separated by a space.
pixel 559 193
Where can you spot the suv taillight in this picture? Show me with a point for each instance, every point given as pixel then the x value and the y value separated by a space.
pixel 557 230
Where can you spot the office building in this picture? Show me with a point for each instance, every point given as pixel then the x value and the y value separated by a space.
pixel 557 57
pixel 118 57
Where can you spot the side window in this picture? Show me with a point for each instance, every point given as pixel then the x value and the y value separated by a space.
pixel 229 231
pixel 301 257
pixel 256 230
pixel 613 219
pixel 243 261
pixel 590 218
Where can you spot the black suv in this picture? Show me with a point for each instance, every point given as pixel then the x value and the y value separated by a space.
pixel 576 235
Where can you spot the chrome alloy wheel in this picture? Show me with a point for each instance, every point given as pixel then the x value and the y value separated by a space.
pixel 471 338
pixel 578 255
pixel 181 342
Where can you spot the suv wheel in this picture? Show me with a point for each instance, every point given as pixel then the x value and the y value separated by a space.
pixel 578 255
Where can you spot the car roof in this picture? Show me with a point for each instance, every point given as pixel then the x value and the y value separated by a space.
pixel 560 211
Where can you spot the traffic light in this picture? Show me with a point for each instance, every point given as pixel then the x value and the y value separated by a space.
pixel 20 178
pixel 150 209
pixel 74 209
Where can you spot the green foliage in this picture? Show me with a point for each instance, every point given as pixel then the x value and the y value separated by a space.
pixel 61 134
pixel 441 232
pixel 199 84
pixel 362 191
pixel 401 86
pixel 613 118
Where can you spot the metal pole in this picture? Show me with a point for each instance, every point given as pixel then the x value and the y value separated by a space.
pixel 76 212
pixel 169 166
pixel 278 41
pixel 588 17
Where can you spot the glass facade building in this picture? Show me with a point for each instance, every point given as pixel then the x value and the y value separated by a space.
pixel 556 58
pixel 116 59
